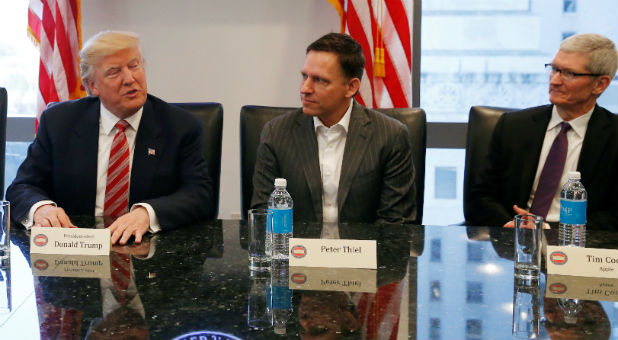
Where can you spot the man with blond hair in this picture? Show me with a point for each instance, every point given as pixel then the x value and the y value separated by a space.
pixel 533 150
pixel 119 152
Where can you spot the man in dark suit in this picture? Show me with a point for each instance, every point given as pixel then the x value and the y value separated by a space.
pixel 165 178
pixel 343 162
pixel 579 73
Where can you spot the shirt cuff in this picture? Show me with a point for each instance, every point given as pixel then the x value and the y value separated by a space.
pixel 28 221
pixel 154 221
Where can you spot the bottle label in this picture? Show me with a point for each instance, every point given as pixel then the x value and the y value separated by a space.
pixel 282 297
pixel 282 221
pixel 573 212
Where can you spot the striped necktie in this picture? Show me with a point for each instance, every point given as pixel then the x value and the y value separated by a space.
pixel 117 188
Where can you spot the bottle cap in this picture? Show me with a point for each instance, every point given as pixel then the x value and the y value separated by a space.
pixel 574 175
pixel 280 330
pixel 281 182
pixel 570 319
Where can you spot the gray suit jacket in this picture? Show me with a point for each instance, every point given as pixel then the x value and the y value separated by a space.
pixel 377 174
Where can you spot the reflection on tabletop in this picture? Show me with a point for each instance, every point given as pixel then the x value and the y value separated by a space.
pixel 431 282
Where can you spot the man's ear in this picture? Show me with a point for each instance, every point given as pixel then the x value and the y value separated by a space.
pixel 602 83
pixel 353 86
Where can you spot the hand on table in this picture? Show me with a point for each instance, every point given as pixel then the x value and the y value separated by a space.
pixel 520 211
pixel 51 216
pixel 134 223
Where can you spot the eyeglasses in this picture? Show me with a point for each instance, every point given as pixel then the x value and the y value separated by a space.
pixel 568 75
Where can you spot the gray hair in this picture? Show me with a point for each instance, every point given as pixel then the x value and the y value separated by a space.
pixel 101 45
pixel 601 51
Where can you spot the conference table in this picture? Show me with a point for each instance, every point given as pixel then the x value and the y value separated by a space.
pixel 431 282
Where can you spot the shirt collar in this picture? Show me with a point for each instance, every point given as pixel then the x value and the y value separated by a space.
pixel 578 124
pixel 344 122
pixel 109 120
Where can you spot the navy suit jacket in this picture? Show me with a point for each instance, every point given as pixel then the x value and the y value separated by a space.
pixel 61 164
pixel 377 172
pixel 514 156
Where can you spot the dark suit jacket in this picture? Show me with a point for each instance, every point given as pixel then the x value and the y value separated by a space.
pixel 513 159
pixel 61 164
pixel 377 174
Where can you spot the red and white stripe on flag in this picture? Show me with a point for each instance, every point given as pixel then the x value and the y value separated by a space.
pixel 381 23
pixel 55 27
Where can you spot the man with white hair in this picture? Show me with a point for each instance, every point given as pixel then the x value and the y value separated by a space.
pixel 120 152
pixel 533 150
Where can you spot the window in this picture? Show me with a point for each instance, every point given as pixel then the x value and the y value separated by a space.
pixel 446 182
pixel 475 252
pixel 474 329
pixel 435 293
pixel 18 59
pixel 436 250
pixel 491 53
pixel 434 329
pixel 569 6
pixel 474 292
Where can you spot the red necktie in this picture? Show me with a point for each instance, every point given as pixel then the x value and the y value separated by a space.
pixel 121 275
pixel 551 173
pixel 117 188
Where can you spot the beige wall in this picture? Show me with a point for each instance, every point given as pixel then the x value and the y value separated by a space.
pixel 235 52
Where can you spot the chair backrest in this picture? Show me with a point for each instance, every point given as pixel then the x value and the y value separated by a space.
pixel 253 119
pixel 481 124
pixel 415 120
pixel 211 116
pixel 3 108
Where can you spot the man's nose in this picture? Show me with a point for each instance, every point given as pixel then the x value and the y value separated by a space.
pixel 306 86
pixel 555 77
pixel 127 75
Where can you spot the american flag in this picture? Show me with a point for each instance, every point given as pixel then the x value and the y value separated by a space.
pixel 55 27
pixel 383 29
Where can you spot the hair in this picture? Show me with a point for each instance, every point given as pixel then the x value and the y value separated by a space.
pixel 601 51
pixel 101 45
pixel 349 52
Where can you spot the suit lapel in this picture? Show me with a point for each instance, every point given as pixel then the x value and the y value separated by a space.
pixel 305 140
pixel 86 130
pixel 148 151
pixel 357 141
pixel 599 130
pixel 531 150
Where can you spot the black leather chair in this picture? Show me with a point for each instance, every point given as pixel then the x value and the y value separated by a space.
pixel 481 124
pixel 415 120
pixel 211 115
pixel 3 107
pixel 253 119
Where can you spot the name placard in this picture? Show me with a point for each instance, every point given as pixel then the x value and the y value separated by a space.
pixel 583 288
pixel 575 261
pixel 93 266
pixel 333 279
pixel 69 241
pixel 329 253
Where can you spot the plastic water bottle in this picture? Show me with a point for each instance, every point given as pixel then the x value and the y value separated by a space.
pixel 281 204
pixel 573 202
pixel 281 295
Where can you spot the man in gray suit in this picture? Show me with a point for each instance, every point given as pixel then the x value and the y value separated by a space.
pixel 342 161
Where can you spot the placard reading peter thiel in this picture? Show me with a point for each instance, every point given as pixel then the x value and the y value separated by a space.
pixel 331 253
pixel 73 241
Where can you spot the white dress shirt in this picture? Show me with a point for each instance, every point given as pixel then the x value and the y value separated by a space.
pixel 331 145
pixel 575 138
pixel 107 131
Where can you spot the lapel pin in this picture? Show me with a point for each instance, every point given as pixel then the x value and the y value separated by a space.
pixel 151 152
